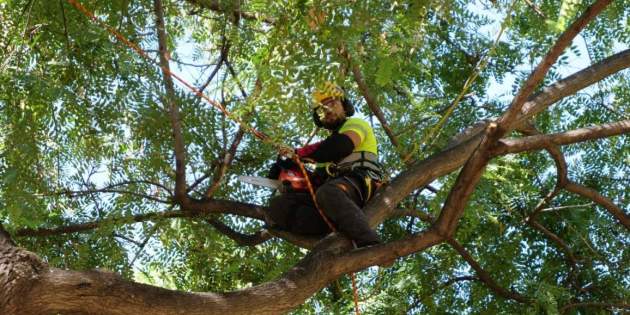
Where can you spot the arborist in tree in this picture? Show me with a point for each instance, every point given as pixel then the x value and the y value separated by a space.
pixel 347 170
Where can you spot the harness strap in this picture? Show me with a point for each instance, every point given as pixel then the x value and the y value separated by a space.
pixel 362 159
pixel 360 156
pixel 357 188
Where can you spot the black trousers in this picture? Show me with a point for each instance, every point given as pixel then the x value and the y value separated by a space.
pixel 340 199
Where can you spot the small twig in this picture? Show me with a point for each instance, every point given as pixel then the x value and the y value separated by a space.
pixel 116 235
pixel 112 191
pixel 65 25
pixel 536 9
pixel 222 57
pixel 145 241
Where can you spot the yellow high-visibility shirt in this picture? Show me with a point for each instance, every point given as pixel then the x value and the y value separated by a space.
pixel 365 132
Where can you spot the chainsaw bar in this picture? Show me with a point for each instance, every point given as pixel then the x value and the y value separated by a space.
pixel 261 181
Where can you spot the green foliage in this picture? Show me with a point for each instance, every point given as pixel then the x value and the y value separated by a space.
pixel 80 112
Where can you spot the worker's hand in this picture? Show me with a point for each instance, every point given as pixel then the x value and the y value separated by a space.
pixel 286 151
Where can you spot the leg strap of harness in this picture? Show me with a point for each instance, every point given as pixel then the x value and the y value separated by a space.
pixel 357 188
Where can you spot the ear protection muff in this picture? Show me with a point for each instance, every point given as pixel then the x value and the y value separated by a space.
pixel 347 107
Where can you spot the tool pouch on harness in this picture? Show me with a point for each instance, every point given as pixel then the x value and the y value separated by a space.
pixel 362 171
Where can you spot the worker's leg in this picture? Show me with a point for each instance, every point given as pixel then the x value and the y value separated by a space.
pixel 296 212
pixel 282 209
pixel 340 200
pixel 308 221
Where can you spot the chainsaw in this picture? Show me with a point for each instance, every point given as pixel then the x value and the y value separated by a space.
pixel 288 174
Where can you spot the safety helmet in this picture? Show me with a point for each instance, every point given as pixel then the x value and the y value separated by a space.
pixel 330 90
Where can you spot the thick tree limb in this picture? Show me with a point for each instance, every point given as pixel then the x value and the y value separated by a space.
pixel 5 238
pixel 550 58
pixel 302 241
pixel 573 83
pixel 474 167
pixel 178 138
pixel 52 290
pixel 539 142
pixel 18 270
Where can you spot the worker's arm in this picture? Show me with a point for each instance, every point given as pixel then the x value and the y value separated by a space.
pixel 356 139
pixel 333 148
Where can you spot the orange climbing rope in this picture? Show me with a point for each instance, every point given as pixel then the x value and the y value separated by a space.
pixel 168 72
pixel 263 137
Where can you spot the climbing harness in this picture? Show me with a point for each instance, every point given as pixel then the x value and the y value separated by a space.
pixel 360 160
pixel 223 110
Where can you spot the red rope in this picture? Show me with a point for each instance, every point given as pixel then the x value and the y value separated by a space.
pixel 168 72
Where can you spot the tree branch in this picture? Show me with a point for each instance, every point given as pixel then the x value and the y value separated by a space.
pixel 448 283
pixel 563 182
pixel 601 200
pixel 586 205
pixel 200 209
pixel 484 276
pixel 550 58
pixel 241 239
pixel 573 83
pixel 214 5
pixel 72 193
pixel 568 253
pixel 371 101
pixel 535 8
pixel 53 290
pixel 474 167
pixel 222 57
pixel 538 142
pixel 180 150
pixel 5 238
pixel 228 156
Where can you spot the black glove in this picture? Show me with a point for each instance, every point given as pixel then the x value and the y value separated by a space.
pixel 279 165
